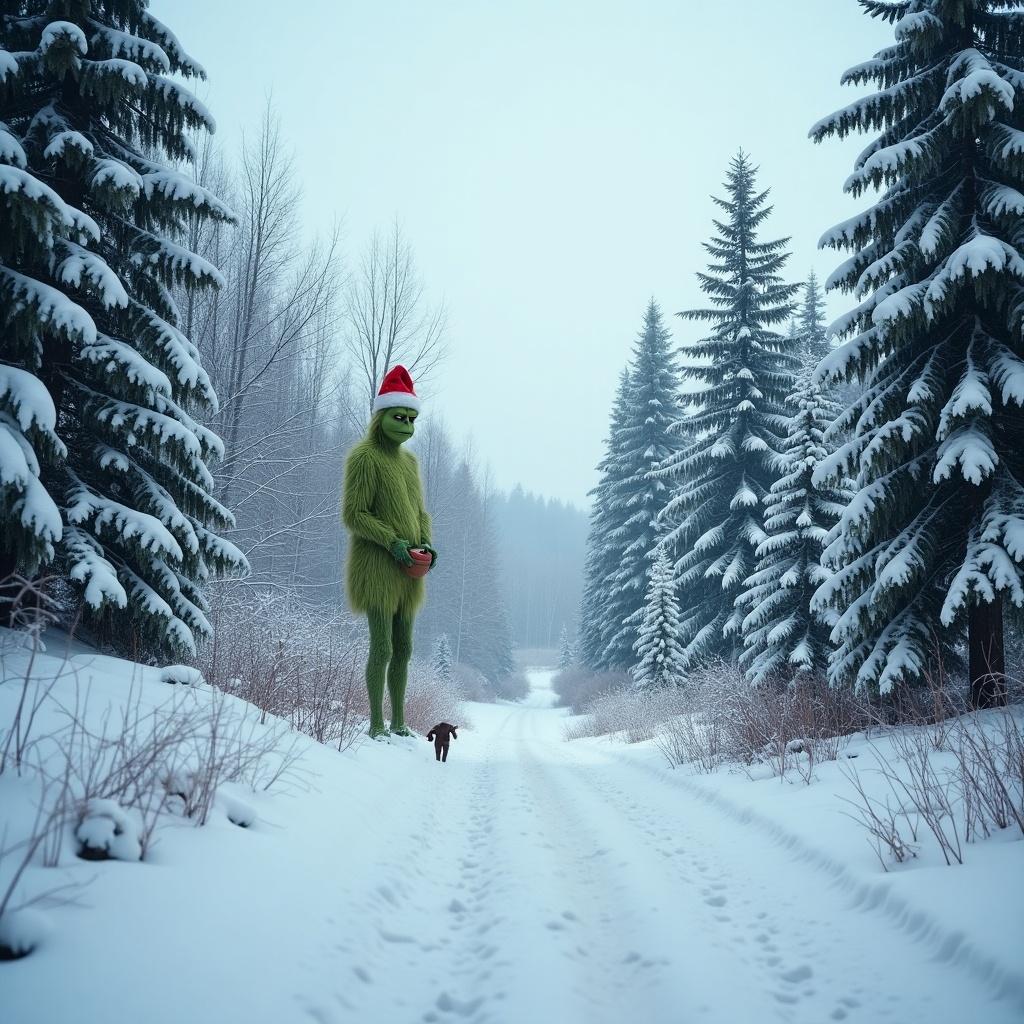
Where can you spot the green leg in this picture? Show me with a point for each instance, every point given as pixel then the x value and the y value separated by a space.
pixel 398 670
pixel 376 666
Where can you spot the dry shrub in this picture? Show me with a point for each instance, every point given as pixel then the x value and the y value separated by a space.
pixel 172 757
pixel 990 772
pixel 122 767
pixel 428 700
pixel 936 702
pixel 788 727
pixel 308 668
pixel 580 728
pixel 882 821
pixel 470 682
pixel 515 686
pixel 577 686
pixel 694 739
pixel 292 661
pixel 980 793
pixel 633 715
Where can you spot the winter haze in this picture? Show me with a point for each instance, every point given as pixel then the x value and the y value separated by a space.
pixel 643 666
pixel 551 164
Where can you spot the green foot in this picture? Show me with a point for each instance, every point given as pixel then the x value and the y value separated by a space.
pixel 379 732
pixel 401 730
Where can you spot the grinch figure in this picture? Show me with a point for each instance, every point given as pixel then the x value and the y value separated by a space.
pixel 388 526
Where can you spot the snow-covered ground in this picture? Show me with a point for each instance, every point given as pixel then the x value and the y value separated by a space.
pixel 528 879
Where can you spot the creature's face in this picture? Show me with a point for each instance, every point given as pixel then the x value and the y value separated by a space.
pixel 397 424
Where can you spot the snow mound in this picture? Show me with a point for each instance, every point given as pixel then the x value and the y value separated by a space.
pixel 108 832
pixel 21 931
pixel 238 811
pixel 183 675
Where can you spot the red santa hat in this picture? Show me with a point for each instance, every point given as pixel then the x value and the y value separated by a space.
pixel 396 391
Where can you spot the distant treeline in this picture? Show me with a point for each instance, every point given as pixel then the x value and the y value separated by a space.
pixel 543 543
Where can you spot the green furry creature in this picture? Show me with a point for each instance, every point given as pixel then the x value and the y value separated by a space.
pixel 384 514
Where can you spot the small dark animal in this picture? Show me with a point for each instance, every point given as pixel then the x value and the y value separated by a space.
pixel 441 734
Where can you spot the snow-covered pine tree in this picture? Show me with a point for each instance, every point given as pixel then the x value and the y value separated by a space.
pixel 934 539
pixel 782 636
pixel 565 652
pixel 646 441
pixel 659 657
pixel 441 660
pixel 713 520
pixel 103 464
pixel 793 335
pixel 814 343
pixel 603 554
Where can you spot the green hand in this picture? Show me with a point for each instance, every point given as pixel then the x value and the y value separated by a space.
pixel 433 553
pixel 400 552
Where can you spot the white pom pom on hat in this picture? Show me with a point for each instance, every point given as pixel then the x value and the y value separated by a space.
pixel 396 391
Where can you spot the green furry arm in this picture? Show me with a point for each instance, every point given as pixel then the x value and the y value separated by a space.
pixel 359 491
pixel 424 526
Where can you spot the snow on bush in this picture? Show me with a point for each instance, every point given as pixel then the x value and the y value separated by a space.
pixel 307 668
pixel 771 726
pixel 291 661
pixel 21 931
pixel 429 701
pixel 628 713
pixel 108 832
pixel 578 685
pixel 239 812
pixel 95 754
pixel 183 675
pixel 718 716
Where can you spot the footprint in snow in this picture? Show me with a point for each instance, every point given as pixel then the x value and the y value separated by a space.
pixel 463 1008
pixel 797 974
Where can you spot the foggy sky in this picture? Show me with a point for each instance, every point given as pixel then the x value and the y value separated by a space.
pixel 551 164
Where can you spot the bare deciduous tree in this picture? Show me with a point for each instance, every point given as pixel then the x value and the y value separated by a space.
pixel 388 317
pixel 270 342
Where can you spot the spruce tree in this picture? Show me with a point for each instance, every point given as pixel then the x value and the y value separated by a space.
pixel 565 655
pixel 105 476
pixel 603 551
pixel 442 662
pixel 659 657
pixel 933 541
pixel 646 441
pixel 814 343
pixel 713 520
pixel 782 636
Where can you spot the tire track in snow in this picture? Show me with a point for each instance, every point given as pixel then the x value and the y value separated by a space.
pixel 558 890
pixel 634 927
pixel 818 918
pixel 745 923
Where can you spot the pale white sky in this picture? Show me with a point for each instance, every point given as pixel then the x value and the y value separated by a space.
pixel 551 163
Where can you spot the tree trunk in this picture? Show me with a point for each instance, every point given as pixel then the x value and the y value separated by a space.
pixel 10 588
pixel 986 658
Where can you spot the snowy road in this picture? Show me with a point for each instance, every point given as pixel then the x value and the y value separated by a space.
pixel 526 880
pixel 546 884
